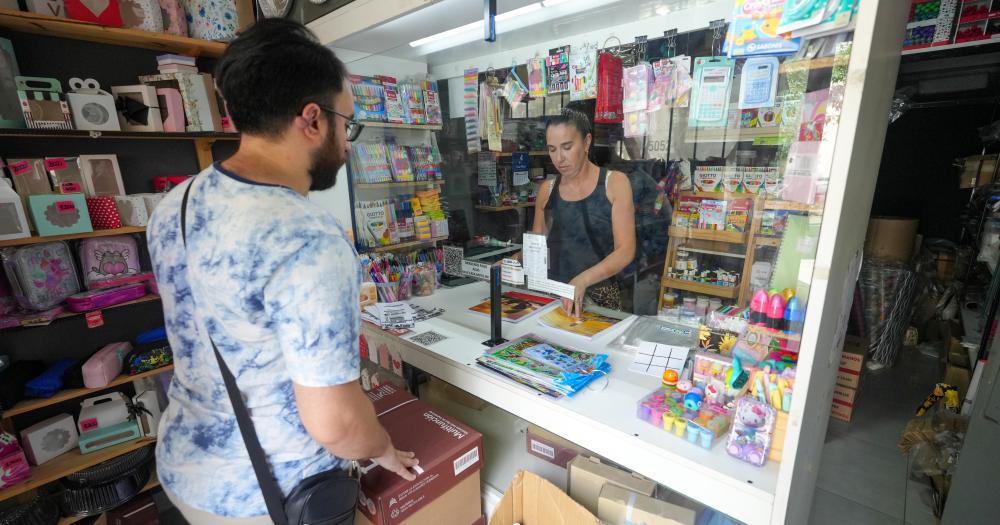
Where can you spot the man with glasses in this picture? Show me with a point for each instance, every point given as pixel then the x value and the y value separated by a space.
pixel 273 281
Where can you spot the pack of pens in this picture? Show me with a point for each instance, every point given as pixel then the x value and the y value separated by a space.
pixel 369 98
pixel 426 162
pixel 370 163
pixel 399 159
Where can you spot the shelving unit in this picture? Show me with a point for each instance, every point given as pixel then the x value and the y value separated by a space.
pixel 150 485
pixel 34 404
pixel 398 185
pixel 708 235
pixel 490 209
pixel 127 135
pixel 43 321
pixel 77 30
pixel 726 292
pixel 404 245
pixel 69 463
pixel 96 233
pixel 393 125
pixel 697 135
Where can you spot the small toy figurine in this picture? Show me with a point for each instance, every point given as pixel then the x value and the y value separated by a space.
pixel 670 377
pixel 692 401
pixel 684 386
pixel 750 437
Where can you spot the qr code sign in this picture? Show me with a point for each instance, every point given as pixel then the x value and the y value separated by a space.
pixel 453 256
pixel 428 338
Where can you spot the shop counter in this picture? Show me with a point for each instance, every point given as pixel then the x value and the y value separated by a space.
pixel 600 418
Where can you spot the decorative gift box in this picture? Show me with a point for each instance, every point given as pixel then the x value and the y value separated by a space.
pixel 152 200
pixel 144 15
pixel 103 212
pixel 174 19
pixel 103 12
pixel 132 209
pixel 60 214
pixel 64 173
pixel 43 103
pixel 138 108
pixel 45 440
pixel 10 106
pixel 201 108
pixel 211 19
pixel 13 221
pixel 13 469
pixel 171 109
pixel 93 108
pixel 101 175
pixel 47 7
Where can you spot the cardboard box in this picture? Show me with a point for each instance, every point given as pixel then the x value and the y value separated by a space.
pixel 618 506
pixel 891 238
pixel 977 170
pixel 449 452
pixel 848 378
pixel 844 400
pixel 455 506
pixel 552 448
pixel 852 357
pixel 530 500
pixel 587 476
pixel 841 412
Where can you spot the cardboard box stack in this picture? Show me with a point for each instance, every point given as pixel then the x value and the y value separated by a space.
pixel 447 488
pixel 845 392
pixel 552 448
pixel 619 497
pixel 531 500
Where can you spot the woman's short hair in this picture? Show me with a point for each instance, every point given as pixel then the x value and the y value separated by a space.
pixel 572 117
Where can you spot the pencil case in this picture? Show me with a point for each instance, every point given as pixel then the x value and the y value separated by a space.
pixel 105 365
pixel 149 356
pixel 50 382
pixel 122 281
pixel 98 299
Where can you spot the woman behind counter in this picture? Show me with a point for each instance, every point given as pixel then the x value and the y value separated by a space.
pixel 588 215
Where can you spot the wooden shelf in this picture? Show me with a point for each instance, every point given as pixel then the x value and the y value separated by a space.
pixel 720 195
pixel 530 153
pixel 385 185
pixel 69 463
pixel 65 395
pixel 491 209
pixel 153 482
pixel 768 241
pixel 792 206
pixel 66 28
pixel 30 322
pixel 96 233
pixel 403 245
pixel 695 135
pixel 727 292
pixel 393 125
pixel 947 47
pixel 127 135
pixel 708 235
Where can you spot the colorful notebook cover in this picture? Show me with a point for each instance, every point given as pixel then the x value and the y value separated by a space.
pixel 515 306
pixel 589 325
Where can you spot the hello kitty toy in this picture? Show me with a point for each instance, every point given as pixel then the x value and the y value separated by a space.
pixel 753 426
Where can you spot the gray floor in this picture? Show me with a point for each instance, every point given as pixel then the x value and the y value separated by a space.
pixel 863 478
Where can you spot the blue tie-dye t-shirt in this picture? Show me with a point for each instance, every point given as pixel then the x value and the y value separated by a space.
pixel 274 279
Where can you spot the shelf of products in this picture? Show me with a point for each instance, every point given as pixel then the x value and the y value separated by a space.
pixel 34 404
pixel 69 463
pixel 695 135
pixel 490 209
pixel 403 245
pixel 792 206
pixel 84 134
pixel 727 292
pixel 400 185
pixel 768 241
pixel 153 482
pixel 708 235
pixel 97 233
pixel 394 125
pixel 947 47
pixel 66 28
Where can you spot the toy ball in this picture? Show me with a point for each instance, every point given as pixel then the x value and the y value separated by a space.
pixel 670 377
pixel 684 386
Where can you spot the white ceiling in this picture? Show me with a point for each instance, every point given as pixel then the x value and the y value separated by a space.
pixel 392 38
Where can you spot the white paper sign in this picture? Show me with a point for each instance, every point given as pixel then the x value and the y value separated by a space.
pixel 511 272
pixel 552 287
pixel 652 359
pixel 487 169
pixel 535 254
pixel 476 270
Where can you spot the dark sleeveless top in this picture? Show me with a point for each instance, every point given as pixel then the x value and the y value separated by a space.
pixel 580 234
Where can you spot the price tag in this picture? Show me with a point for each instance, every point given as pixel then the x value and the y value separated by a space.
pixel 20 167
pixel 95 319
pixel 226 122
pixel 55 164
pixel 70 187
pixel 65 207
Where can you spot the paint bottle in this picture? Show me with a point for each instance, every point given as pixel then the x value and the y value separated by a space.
pixel 795 317
pixel 788 293
pixel 776 312
pixel 758 308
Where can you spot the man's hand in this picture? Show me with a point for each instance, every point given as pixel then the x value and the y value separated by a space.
pixel 399 462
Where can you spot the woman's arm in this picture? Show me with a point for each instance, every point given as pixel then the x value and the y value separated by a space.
pixel 544 192
pixel 623 229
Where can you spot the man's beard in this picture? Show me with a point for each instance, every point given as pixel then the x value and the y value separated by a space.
pixel 326 164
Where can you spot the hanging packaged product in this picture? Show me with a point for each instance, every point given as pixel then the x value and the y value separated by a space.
pixel 636 124
pixel 395 110
pixel 412 96
pixel 813 115
pixel 43 103
pixel 802 14
pixel 558 69
pixel 537 78
pixel 432 102
pixel 838 15
pixel 609 90
pixel 513 89
pixel 753 30
pixel 470 108
pixel 637 83
pixel 369 98
pixel 713 78
pixel 758 83
pixel 583 72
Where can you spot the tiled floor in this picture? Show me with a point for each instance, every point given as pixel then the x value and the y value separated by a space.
pixel 863 478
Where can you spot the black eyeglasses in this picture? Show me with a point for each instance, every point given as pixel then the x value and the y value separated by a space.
pixel 353 126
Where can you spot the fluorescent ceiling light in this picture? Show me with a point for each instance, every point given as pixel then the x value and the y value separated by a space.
pixel 445 34
pixel 530 8
pixel 551 3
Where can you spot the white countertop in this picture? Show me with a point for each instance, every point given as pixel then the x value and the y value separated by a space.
pixel 601 418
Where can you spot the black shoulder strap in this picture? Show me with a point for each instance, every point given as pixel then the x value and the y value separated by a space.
pixel 268 486
pixel 594 244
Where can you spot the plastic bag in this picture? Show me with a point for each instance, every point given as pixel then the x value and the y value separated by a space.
pixel 609 90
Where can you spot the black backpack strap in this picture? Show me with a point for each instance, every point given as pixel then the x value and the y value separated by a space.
pixel 273 497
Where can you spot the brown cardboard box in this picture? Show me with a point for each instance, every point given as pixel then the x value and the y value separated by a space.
pixel 618 506
pixel 853 356
pixel 530 500
pixel 552 448
pixel 977 171
pixel 841 412
pixel 587 476
pixel 448 450
pixel 458 505
pixel 844 400
pixel 891 238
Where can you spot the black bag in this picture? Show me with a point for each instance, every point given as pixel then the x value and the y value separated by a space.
pixel 327 498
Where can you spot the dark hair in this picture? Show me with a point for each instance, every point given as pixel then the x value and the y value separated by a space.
pixel 572 117
pixel 273 69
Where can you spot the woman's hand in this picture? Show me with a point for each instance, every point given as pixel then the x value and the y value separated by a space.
pixel 574 308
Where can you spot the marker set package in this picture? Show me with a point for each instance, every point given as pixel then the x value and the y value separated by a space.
pixel 373 163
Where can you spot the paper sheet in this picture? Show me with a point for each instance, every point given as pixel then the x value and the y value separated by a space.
pixel 476 270
pixel 535 255
pixel 652 359
pixel 552 287
pixel 487 169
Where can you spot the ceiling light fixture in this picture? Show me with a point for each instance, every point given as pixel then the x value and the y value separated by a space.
pixel 530 8
pixel 553 3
